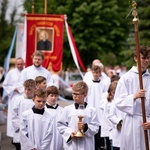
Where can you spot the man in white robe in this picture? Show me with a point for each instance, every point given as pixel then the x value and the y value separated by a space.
pixel 128 99
pixel 10 86
pixel 35 70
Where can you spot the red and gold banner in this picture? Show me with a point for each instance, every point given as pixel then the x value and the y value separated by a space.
pixel 45 33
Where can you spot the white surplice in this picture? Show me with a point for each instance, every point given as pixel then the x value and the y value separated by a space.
pixel 105 80
pixel 21 104
pixel 68 124
pixel 36 130
pixel 132 135
pixel 94 96
pixel 32 72
pixel 57 141
pixel 115 116
pixel 106 125
pixel 9 84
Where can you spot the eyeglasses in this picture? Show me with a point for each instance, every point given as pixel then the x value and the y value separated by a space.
pixel 78 94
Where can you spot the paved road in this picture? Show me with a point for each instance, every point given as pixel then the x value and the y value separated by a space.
pixel 6 141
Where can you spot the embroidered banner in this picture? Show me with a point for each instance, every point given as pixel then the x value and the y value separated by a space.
pixel 45 33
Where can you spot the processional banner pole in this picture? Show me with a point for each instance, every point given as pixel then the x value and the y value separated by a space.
pixel 135 22
pixel 45 6
pixel 32 6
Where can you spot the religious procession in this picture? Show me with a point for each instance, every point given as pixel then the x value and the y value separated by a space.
pixel 51 102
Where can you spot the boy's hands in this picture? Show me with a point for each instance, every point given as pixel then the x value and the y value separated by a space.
pixel 73 135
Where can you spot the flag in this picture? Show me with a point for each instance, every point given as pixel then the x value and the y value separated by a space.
pixel 45 33
pixel 7 59
pixel 74 51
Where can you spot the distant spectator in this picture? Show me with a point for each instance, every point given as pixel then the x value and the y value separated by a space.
pixel 123 70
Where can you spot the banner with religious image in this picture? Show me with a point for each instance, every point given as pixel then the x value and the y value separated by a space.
pixel 44 33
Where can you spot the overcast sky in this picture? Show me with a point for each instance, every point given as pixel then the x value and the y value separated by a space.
pixel 11 5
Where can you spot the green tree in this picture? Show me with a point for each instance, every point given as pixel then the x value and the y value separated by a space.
pixel 143 31
pixel 100 28
pixel 6 30
pixel 144 22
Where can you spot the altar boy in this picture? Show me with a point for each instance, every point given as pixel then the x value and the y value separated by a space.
pixel 36 125
pixel 68 123
pixel 54 109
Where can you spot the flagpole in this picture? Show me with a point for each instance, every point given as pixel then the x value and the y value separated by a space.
pixel 45 6
pixel 32 7
pixel 135 22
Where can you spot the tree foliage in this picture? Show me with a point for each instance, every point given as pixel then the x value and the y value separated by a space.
pixel 6 31
pixel 144 22
pixel 100 28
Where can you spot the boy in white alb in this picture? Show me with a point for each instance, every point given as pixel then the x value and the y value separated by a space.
pixel 36 126
pixel 69 123
pixel 94 99
pixel 22 103
pixel 40 82
pixel 54 109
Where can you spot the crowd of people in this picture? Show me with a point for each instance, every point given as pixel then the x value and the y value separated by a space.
pixel 106 113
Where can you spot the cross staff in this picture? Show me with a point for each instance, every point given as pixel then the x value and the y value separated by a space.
pixel 135 22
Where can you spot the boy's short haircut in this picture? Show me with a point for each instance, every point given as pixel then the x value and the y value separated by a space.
pixel 80 87
pixel 96 68
pixel 114 78
pixel 40 93
pixel 144 50
pixel 39 79
pixel 38 53
pixel 52 90
pixel 29 83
